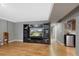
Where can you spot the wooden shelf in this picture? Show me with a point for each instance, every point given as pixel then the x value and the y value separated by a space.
pixel 5 38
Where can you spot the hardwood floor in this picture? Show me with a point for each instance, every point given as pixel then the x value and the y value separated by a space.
pixel 24 49
pixel 34 49
pixel 58 49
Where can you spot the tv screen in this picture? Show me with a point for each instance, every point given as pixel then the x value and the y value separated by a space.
pixel 36 32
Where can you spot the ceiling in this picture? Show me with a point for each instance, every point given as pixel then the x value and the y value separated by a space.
pixel 20 12
pixel 60 10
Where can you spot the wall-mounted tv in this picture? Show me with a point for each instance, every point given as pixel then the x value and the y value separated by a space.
pixel 36 32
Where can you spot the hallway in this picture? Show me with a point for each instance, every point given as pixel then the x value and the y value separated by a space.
pixel 58 49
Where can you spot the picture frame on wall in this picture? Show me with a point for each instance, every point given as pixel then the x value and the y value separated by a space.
pixel 71 25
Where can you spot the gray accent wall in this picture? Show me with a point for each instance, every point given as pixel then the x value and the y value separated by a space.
pixel 19 28
pixel 60 32
pixel 15 29
pixel 3 28
pixel 77 36
pixel 57 33
pixel 7 26
pixel 11 30
pixel 74 15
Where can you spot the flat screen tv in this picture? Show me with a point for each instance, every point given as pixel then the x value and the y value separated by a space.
pixel 36 32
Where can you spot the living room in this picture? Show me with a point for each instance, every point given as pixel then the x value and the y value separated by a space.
pixel 36 29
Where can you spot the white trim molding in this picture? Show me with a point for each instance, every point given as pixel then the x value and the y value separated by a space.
pixel 15 40
pixel 60 42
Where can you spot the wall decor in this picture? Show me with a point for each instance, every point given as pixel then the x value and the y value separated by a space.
pixel 70 26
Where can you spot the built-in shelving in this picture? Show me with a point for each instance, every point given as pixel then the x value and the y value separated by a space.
pixel 41 33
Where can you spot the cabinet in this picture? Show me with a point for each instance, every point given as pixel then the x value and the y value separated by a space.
pixel 69 40
pixel 5 38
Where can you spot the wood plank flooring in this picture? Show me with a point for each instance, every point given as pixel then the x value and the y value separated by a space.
pixel 35 49
pixel 60 50
pixel 24 49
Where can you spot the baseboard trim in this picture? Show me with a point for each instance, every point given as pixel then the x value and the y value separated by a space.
pixel 2 44
pixel 12 41
pixel 15 40
pixel 60 42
